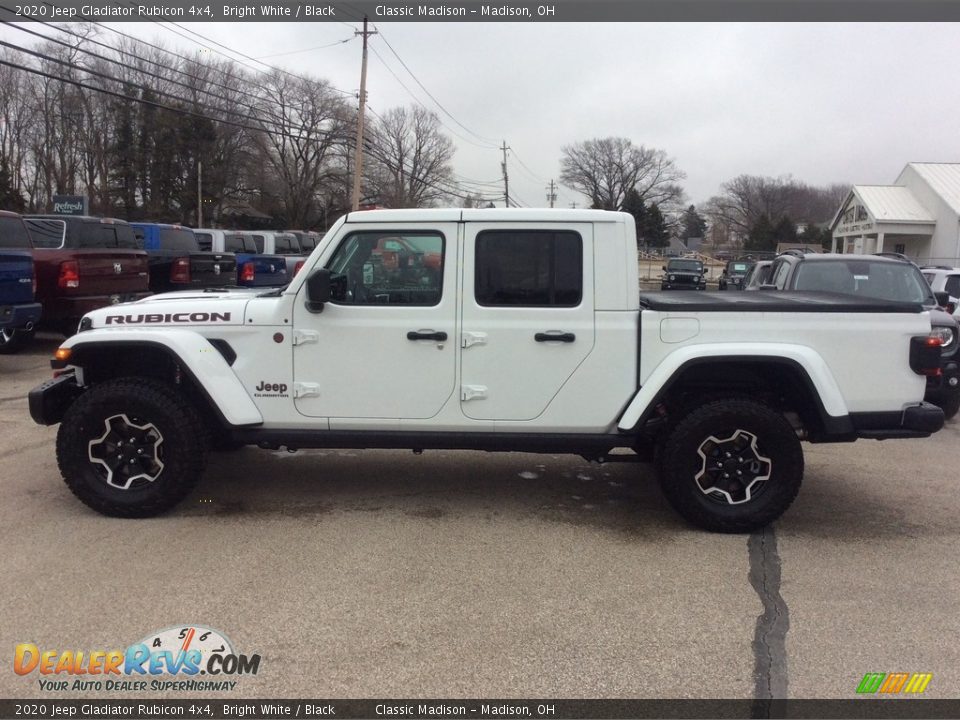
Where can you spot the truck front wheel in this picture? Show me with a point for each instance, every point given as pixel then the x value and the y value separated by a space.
pixel 731 465
pixel 132 447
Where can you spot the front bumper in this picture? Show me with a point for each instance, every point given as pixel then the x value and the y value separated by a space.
pixel 50 400
pixel 19 316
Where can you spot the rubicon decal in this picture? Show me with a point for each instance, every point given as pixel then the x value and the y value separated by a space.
pixel 153 663
pixel 185 317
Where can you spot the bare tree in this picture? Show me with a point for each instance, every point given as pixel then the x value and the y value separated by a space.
pixel 604 169
pixel 308 122
pixel 410 158
pixel 747 198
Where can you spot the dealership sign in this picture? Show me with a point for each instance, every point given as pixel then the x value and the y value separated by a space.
pixel 70 204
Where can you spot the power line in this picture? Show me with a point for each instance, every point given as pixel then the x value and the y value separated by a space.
pixel 411 93
pixel 310 49
pixel 430 95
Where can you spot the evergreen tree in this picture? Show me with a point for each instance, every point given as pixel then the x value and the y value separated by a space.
pixel 785 231
pixel 692 224
pixel 633 204
pixel 656 234
pixel 10 197
pixel 761 236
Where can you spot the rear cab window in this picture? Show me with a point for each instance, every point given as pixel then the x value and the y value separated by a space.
pixel 204 240
pixel 13 233
pixel 46 233
pixel 178 239
pixel 286 245
pixel 237 244
pixel 106 235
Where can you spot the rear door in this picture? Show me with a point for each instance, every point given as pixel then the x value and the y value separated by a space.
pixel 386 347
pixel 527 318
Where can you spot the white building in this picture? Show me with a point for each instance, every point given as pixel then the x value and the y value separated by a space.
pixel 918 216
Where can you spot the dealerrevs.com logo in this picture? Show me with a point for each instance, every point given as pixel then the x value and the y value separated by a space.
pixel 182 658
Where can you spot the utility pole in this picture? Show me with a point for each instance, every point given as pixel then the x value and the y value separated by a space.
pixel 358 153
pixel 506 183
pixel 552 193
pixel 199 194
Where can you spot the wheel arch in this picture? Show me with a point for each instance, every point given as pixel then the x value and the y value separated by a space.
pixel 800 384
pixel 191 361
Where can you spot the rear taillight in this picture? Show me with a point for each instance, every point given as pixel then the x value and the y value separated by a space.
pixel 925 352
pixel 180 270
pixel 69 275
pixel 296 268
pixel 34 280
pixel 247 272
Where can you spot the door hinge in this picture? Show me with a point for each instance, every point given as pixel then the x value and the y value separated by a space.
pixel 473 338
pixel 302 337
pixel 301 390
pixel 472 392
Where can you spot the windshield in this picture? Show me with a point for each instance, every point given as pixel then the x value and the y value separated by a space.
pixel 875 279
pixel 685 266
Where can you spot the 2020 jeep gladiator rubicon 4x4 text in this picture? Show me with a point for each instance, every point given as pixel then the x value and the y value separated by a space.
pixel 518 330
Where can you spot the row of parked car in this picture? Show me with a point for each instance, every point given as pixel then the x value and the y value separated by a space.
pixel 56 268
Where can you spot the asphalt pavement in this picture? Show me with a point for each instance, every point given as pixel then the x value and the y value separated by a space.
pixel 463 574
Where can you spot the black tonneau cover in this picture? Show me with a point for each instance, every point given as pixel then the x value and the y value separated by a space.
pixel 771 301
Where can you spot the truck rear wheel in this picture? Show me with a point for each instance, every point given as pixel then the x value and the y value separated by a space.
pixel 732 465
pixel 132 447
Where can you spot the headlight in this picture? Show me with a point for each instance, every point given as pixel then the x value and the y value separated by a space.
pixel 946 335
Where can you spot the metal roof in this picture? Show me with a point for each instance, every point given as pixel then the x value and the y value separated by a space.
pixel 943 179
pixel 892 203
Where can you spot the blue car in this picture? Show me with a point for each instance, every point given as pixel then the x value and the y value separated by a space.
pixel 19 312
pixel 254 269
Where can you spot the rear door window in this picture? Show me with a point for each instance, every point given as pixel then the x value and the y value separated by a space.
pixel 529 268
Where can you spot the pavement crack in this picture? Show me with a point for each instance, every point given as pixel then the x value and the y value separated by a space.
pixel 769 638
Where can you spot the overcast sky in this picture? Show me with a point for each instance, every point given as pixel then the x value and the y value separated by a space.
pixel 821 102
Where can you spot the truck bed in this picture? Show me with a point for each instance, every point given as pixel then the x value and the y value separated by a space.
pixel 783 302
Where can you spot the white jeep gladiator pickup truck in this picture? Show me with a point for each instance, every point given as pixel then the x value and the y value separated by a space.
pixel 511 330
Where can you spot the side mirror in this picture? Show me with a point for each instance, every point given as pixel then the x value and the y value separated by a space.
pixel 318 290
pixel 663 267
pixel 943 298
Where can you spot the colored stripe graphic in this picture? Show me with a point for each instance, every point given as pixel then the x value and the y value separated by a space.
pixel 871 682
pixel 893 683
pixel 918 683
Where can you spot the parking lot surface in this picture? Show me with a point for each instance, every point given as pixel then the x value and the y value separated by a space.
pixel 385 574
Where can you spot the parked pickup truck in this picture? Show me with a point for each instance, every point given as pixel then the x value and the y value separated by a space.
pixel 254 269
pixel 84 263
pixel 178 263
pixel 19 313
pixel 281 243
pixel 533 337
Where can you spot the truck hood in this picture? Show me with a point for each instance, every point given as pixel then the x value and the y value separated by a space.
pixel 178 309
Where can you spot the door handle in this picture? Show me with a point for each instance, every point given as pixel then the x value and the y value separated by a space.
pixel 426 335
pixel 554 336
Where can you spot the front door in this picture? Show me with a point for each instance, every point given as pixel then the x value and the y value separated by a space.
pixel 385 347
pixel 527 319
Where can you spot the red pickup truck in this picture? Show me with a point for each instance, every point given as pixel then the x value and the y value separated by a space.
pixel 84 263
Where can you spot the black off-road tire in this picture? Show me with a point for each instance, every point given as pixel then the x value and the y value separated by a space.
pixel 738 420
pixel 144 401
pixel 12 341
pixel 950 404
